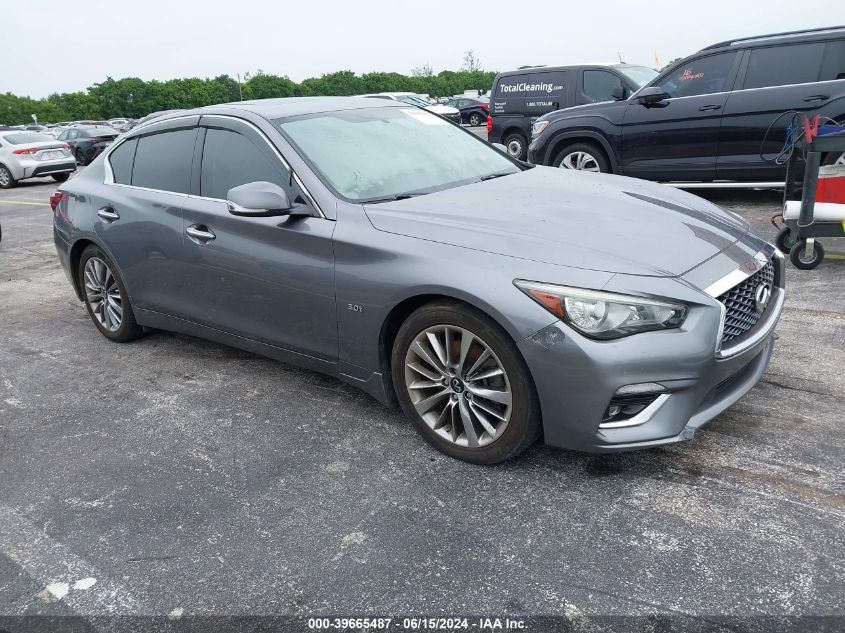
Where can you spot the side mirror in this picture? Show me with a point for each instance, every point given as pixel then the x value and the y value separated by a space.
pixel 650 95
pixel 258 199
pixel 619 93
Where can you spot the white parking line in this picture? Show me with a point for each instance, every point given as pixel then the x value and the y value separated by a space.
pixel 63 576
pixel 35 204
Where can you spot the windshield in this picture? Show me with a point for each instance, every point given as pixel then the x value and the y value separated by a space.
pixel 379 153
pixel 640 75
pixel 26 137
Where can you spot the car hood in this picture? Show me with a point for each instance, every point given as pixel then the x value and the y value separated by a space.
pixel 582 220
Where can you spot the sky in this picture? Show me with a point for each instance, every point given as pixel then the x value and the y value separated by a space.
pixel 57 46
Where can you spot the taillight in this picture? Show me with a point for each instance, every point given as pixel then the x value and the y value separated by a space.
pixel 484 106
pixel 26 150
pixel 66 146
pixel 56 199
pixel 489 123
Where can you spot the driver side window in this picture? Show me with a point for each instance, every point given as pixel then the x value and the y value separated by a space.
pixel 702 76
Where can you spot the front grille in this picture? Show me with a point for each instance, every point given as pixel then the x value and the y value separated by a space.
pixel 741 311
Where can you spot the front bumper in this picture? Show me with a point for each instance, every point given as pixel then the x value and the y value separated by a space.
pixel 576 377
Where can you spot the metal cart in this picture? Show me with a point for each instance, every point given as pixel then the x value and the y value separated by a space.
pixel 799 237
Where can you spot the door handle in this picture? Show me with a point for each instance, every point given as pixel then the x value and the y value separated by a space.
pixel 705 108
pixel 817 98
pixel 108 214
pixel 200 233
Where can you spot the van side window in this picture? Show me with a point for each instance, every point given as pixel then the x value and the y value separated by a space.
pixel 833 66
pixel 784 65
pixel 600 84
pixel 702 76
pixel 163 161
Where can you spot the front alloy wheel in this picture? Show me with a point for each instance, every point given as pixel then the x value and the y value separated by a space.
pixel 463 384
pixel 582 161
pixel 458 386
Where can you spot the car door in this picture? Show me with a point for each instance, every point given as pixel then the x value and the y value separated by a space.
pixel 270 279
pixel 773 80
pixel 678 138
pixel 138 212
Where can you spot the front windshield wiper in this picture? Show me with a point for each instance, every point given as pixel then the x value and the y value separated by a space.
pixel 393 198
pixel 498 175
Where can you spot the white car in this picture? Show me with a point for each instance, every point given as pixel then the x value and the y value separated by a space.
pixel 447 112
pixel 31 155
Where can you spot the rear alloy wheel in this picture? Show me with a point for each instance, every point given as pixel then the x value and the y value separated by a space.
pixel 7 181
pixel 464 386
pixel 60 177
pixel 475 119
pixel 105 297
pixel 582 157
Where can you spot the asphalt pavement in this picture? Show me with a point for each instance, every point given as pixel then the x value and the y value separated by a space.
pixel 176 476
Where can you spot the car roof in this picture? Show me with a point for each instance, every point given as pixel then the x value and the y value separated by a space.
pixel 290 106
pixel 541 69
pixel 784 37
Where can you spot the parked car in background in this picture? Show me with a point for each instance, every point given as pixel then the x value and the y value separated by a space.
pixel 378 243
pixel 447 112
pixel 121 125
pixel 153 115
pixel 87 143
pixel 26 154
pixel 519 97
pixel 473 111
pixel 708 117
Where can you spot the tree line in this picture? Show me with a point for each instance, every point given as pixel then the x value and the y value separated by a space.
pixel 132 97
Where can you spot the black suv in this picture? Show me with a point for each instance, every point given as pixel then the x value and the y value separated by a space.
pixel 518 97
pixel 705 118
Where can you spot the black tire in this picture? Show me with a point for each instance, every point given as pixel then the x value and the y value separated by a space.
pixel 475 119
pixel 129 329
pixel 593 150
pixel 831 158
pixel 524 426
pixel 513 141
pixel 798 259
pixel 785 241
pixel 60 177
pixel 7 181
pixel 80 158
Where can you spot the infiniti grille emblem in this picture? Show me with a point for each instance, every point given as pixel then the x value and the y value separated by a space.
pixel 761 297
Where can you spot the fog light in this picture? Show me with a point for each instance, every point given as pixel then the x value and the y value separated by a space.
pixel 641 387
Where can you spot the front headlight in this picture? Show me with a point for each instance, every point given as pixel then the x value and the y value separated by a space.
pixel 538 127
pixel 604 315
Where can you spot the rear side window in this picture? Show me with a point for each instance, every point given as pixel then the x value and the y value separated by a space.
pixel 784 65
pixel 600 84
pixel 230 159
pixel 833 66
pixel 121 160
pixel 706 75
pixel 163 161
